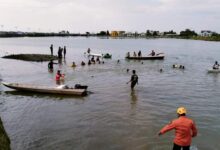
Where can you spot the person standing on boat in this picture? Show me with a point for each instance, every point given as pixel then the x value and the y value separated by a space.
pixel 216 65
pixel 134 79
pixel 51 49
pixel 185 129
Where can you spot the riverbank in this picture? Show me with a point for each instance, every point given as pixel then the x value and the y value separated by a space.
pixel 31 57
pixel 4 139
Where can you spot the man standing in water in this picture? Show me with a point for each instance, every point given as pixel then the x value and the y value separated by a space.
pixel 134 79
pixel 185 129
pixel 64 52
pixel 51 49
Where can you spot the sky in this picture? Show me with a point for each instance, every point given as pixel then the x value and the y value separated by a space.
pixel 80 16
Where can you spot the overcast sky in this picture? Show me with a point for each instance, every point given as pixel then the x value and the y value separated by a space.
pixel 96 15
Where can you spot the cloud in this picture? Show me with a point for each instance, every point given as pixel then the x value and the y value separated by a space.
pixel 96 15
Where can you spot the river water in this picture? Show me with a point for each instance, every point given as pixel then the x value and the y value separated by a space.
pixel 111 117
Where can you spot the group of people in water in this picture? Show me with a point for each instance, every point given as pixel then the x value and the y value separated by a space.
pixel 61 51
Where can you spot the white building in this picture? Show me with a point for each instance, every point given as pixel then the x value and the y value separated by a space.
pixel 206 33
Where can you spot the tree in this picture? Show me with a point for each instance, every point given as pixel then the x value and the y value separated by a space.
pixel 148 33
pixel 188 33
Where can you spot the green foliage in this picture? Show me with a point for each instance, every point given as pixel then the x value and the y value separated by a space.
pixel 188 33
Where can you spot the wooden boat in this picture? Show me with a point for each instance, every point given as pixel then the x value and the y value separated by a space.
pixel 94 54
pixel 158 56
pixel 46 89
pixel 213 70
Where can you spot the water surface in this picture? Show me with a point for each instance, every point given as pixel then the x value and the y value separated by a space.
pixel 113 117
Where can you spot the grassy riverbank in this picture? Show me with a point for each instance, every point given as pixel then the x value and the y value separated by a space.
pixel 4 139
pixel 31 57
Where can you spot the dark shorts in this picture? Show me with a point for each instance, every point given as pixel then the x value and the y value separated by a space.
pixel 133 84
pixel 177 147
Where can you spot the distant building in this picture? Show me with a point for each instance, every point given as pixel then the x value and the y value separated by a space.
pixel 114 33
pixel 206 33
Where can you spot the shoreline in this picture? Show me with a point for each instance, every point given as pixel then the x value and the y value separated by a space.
pixel 201 38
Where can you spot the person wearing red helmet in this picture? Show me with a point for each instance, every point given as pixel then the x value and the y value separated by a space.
pixel 185 129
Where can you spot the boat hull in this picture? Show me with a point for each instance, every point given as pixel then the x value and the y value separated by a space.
pixel 214 71
pixel 45 89
pixel 146 58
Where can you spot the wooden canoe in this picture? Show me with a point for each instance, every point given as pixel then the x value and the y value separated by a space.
pixel 46 89
pixel 146 57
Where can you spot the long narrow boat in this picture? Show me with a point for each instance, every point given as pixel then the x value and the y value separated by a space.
pixel 214 71
pixel 46 89
pixel 161 56
pixel 94 54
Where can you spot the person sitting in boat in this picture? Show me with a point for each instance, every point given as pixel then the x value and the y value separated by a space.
pixel 139 54
pixel 128 54
pixel 152 53
pixel 216 65
pixel 134 54
pixel 59 76
pixel 83 63
pixel 73 64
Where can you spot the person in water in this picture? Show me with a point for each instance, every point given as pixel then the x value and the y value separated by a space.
pixel 185 129
pixel 50 65
pixel 64 51
pixel 134 79
pixel 73 64
pixel 89 62
pixel 216 65
pixel 51 49
pixel 83 63
pixel 59 76
pixel 89 50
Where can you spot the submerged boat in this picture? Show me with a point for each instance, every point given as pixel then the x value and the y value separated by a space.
pixel 62 89
pixel 157 56
pixel 213 70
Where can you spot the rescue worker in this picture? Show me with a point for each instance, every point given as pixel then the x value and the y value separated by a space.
pixel 185 129
pixel 134 79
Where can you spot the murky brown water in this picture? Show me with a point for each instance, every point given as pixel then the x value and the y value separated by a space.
pixel 112 117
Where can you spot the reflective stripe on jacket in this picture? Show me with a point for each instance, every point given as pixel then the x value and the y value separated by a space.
pixel 185 129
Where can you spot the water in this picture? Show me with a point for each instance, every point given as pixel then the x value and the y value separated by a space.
pixel 113 117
